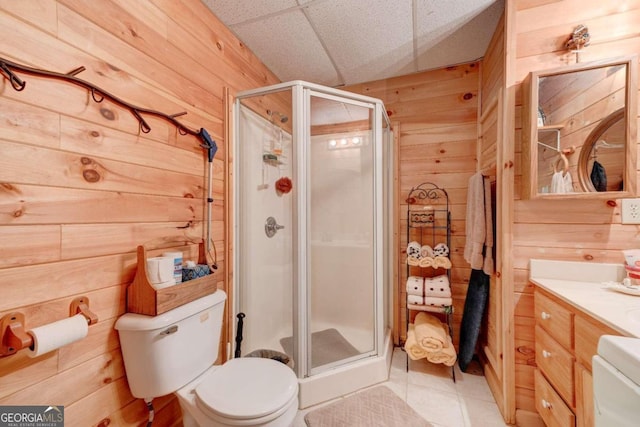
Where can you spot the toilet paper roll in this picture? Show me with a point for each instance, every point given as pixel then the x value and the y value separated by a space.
pixel 160 269
pixel 57 334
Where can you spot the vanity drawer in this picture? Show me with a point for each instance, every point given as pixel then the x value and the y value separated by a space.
pixel 555 319
pixel 556 363
pixel 554 412
pixel 588 333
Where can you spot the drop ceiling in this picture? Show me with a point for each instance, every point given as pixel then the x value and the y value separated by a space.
pixel 344 42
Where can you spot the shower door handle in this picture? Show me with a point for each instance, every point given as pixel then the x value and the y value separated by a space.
pixel 271 227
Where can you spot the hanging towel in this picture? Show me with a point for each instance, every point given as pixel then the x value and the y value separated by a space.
pixel 415 285
pixel 415 299
pixel 446 355
pixel 479 224
pixel 561 182
pixel 474 308
pixel 414 351
pixel 599 176
pixel 431 334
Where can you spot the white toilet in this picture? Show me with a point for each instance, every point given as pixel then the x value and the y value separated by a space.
pixel 175 352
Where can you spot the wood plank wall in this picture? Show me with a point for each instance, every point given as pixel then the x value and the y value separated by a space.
pixel 81 187
pixel 576 230
pixel 489 136
pixel 436 115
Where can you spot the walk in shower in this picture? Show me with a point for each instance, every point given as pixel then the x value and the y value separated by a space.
pixel 312 233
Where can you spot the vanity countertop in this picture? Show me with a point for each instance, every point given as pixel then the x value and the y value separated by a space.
pixel 581 285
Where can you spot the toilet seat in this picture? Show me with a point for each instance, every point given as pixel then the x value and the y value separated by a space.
pixel 247 389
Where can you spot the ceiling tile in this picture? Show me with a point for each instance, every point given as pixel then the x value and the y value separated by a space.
pixel 435 22
pixel 235 11
pixel 360 40
pixel 287 44
pixel 367 39
pixel 464 40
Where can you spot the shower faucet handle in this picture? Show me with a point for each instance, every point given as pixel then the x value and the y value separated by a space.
pixel 271 227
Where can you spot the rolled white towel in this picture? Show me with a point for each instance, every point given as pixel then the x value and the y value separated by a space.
pixel 437 286
pixel 415 285
pixel 415 299
pixel 414 249
pixel 441 249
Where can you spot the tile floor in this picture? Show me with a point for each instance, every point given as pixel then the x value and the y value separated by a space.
pixel 431 392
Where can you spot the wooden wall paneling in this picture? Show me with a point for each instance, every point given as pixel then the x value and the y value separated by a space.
pixel 126 40
pixel 20 164
pixel 81 186
pixel 79 381
pixel 436 117
pixel 228 48
pixel 504 207
pixel 33 204
pixel 540 28
pixel 29 245
pixel 44 95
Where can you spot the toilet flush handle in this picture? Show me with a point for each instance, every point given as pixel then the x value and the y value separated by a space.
pixel 170 330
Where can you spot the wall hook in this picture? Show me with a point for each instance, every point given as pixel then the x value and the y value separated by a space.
pixel 15 81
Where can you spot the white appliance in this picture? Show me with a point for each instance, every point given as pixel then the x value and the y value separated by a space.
pixel 616 382
pixel 174 352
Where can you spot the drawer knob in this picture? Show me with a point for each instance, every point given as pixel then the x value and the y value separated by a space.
pixel 546 354
pixel 545 315
pixel 545 404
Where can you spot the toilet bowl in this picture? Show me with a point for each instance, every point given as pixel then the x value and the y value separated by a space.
pixel 175 352
pixel 242 392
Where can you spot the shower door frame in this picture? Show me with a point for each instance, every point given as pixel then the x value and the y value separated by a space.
pixel 301 92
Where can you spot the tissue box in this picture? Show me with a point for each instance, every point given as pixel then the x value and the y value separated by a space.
pixel 190 273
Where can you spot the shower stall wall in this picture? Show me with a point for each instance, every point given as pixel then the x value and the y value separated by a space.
pixel 312 267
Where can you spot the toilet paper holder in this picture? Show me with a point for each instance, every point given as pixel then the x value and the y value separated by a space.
pixel 15 338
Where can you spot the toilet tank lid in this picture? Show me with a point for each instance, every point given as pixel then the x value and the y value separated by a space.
pixel 140 322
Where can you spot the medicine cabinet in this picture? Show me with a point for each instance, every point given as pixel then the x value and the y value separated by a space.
pixel 579 130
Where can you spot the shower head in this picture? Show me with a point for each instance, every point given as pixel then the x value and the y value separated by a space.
pixel 283 118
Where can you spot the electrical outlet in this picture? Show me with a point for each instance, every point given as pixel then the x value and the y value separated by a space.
pixel 631 211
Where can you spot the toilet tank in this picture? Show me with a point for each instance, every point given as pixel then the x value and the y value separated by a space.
pixel 165 352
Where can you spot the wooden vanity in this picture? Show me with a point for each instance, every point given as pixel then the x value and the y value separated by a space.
pixel 573 308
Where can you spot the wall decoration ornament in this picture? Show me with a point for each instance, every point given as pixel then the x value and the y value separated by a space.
pixel 578 39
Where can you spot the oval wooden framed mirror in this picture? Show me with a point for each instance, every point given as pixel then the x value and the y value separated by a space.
pixel 602 157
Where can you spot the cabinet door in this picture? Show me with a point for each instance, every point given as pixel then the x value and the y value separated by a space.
pixel 588 333
pixel 584 397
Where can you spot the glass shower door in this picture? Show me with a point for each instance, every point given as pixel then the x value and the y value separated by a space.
pixel 341 289
pixel 264 266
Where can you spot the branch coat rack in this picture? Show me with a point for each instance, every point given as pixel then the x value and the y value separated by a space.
pixel 8 70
